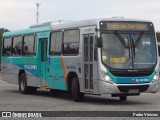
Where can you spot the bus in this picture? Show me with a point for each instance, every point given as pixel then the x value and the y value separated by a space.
pixel 116 56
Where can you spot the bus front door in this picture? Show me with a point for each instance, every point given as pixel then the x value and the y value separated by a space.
pixel 42 59
pixel 90 64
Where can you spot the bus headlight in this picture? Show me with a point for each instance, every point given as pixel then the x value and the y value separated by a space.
pixel 155 78
pixel 107 78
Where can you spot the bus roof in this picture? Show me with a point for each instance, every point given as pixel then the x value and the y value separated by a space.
pixel 53 26
pixel 74 24
pixel 27 31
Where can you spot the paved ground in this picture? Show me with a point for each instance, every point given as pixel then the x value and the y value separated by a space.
pixel 12 100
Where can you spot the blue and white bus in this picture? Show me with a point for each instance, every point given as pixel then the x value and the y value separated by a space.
pixel 116 56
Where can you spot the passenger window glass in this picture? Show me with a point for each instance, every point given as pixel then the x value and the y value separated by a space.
pixel 28 45
pixel 7 47
pixel 17 46
pixel 86 48
pixel 71 42
pixel 35 45
pixel 159 50
pixel 56 43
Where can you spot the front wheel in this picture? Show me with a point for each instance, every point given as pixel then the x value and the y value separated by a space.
pixel 77 96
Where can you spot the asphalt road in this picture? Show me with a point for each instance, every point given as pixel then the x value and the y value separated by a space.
pixel 12 100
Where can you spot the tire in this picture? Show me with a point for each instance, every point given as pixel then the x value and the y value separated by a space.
pixel 123 98
pixel 70 92
pixel 76 95
pixel 32 90
pixel 23 88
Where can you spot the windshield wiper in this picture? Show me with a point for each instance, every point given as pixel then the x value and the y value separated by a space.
pixel 121 39
pixel 124 42
pixel 129 48
pixel 133 47
pixel 138 39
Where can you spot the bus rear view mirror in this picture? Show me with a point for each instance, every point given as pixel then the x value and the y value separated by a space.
pixel 99 42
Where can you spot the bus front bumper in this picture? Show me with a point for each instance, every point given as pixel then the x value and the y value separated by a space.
pixel 107 88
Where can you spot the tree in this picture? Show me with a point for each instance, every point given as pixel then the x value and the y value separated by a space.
pixel 2 30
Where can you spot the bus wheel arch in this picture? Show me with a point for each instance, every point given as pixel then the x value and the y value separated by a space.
pixel 74 87
pixel 22 82
pixel 23 88
pixel 70 77
pixel 21 71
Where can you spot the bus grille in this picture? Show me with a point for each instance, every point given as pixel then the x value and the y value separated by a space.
pixel 141 88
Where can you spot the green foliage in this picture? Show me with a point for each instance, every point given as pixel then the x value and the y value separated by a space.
pixel 2 30
pixel 158 36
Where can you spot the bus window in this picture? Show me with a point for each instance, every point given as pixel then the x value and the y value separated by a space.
pixel 56 43
pixel 7 47
pixel 17 46
pixel 159 50
pixel 28 45
pixel 35 45
pixel 71 42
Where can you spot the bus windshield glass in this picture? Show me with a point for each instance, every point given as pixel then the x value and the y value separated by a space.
pixel 129 50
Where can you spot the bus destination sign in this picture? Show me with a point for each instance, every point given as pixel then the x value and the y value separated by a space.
pixel 127 26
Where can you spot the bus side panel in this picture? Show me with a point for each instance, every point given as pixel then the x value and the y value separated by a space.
pixel 72 64
pixel 9 72
pixel 55 75
pixel 58 69
pixel 12 66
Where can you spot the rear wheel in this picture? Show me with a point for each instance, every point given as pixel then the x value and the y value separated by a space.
pixel 23 88
pixel 123 98
pixel 77 96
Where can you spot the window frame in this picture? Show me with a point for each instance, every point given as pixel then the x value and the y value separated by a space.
pixel 71 42
pixel 50 43
pixel 33 52
pixel 13 42
pixel 11 46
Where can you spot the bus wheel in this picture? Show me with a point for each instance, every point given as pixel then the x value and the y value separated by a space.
pixel 76 95
pixel 123 98
pixel 23 84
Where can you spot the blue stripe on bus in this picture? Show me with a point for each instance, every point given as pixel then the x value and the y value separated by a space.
pixel 131 80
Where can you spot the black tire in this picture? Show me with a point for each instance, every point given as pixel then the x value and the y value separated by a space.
pixel 123 98
pixel 77 96
pixel 23 88
pixel 70 92
pixel 32 90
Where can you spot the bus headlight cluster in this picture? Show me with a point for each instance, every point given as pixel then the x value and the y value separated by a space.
pixel 155 78
pixel 106 77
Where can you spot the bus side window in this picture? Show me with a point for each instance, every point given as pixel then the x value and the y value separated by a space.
pixel 71 42
pixel 35 45
pixel 28 45
pixel 95 50
pixel 56 43
pixel 17 46
pixel 7 47
pixel 159 50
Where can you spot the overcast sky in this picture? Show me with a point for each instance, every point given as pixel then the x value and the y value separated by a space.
pixel 20 14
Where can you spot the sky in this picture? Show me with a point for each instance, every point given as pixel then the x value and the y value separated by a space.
pixel 20 14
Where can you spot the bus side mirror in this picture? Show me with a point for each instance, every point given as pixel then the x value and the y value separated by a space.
pixel 99 42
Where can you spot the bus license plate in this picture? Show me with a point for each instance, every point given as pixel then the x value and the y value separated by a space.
pixel 133 91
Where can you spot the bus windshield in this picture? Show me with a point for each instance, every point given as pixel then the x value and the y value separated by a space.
pixel 129 50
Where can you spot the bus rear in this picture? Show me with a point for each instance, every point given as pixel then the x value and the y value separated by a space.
pixel 128 58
